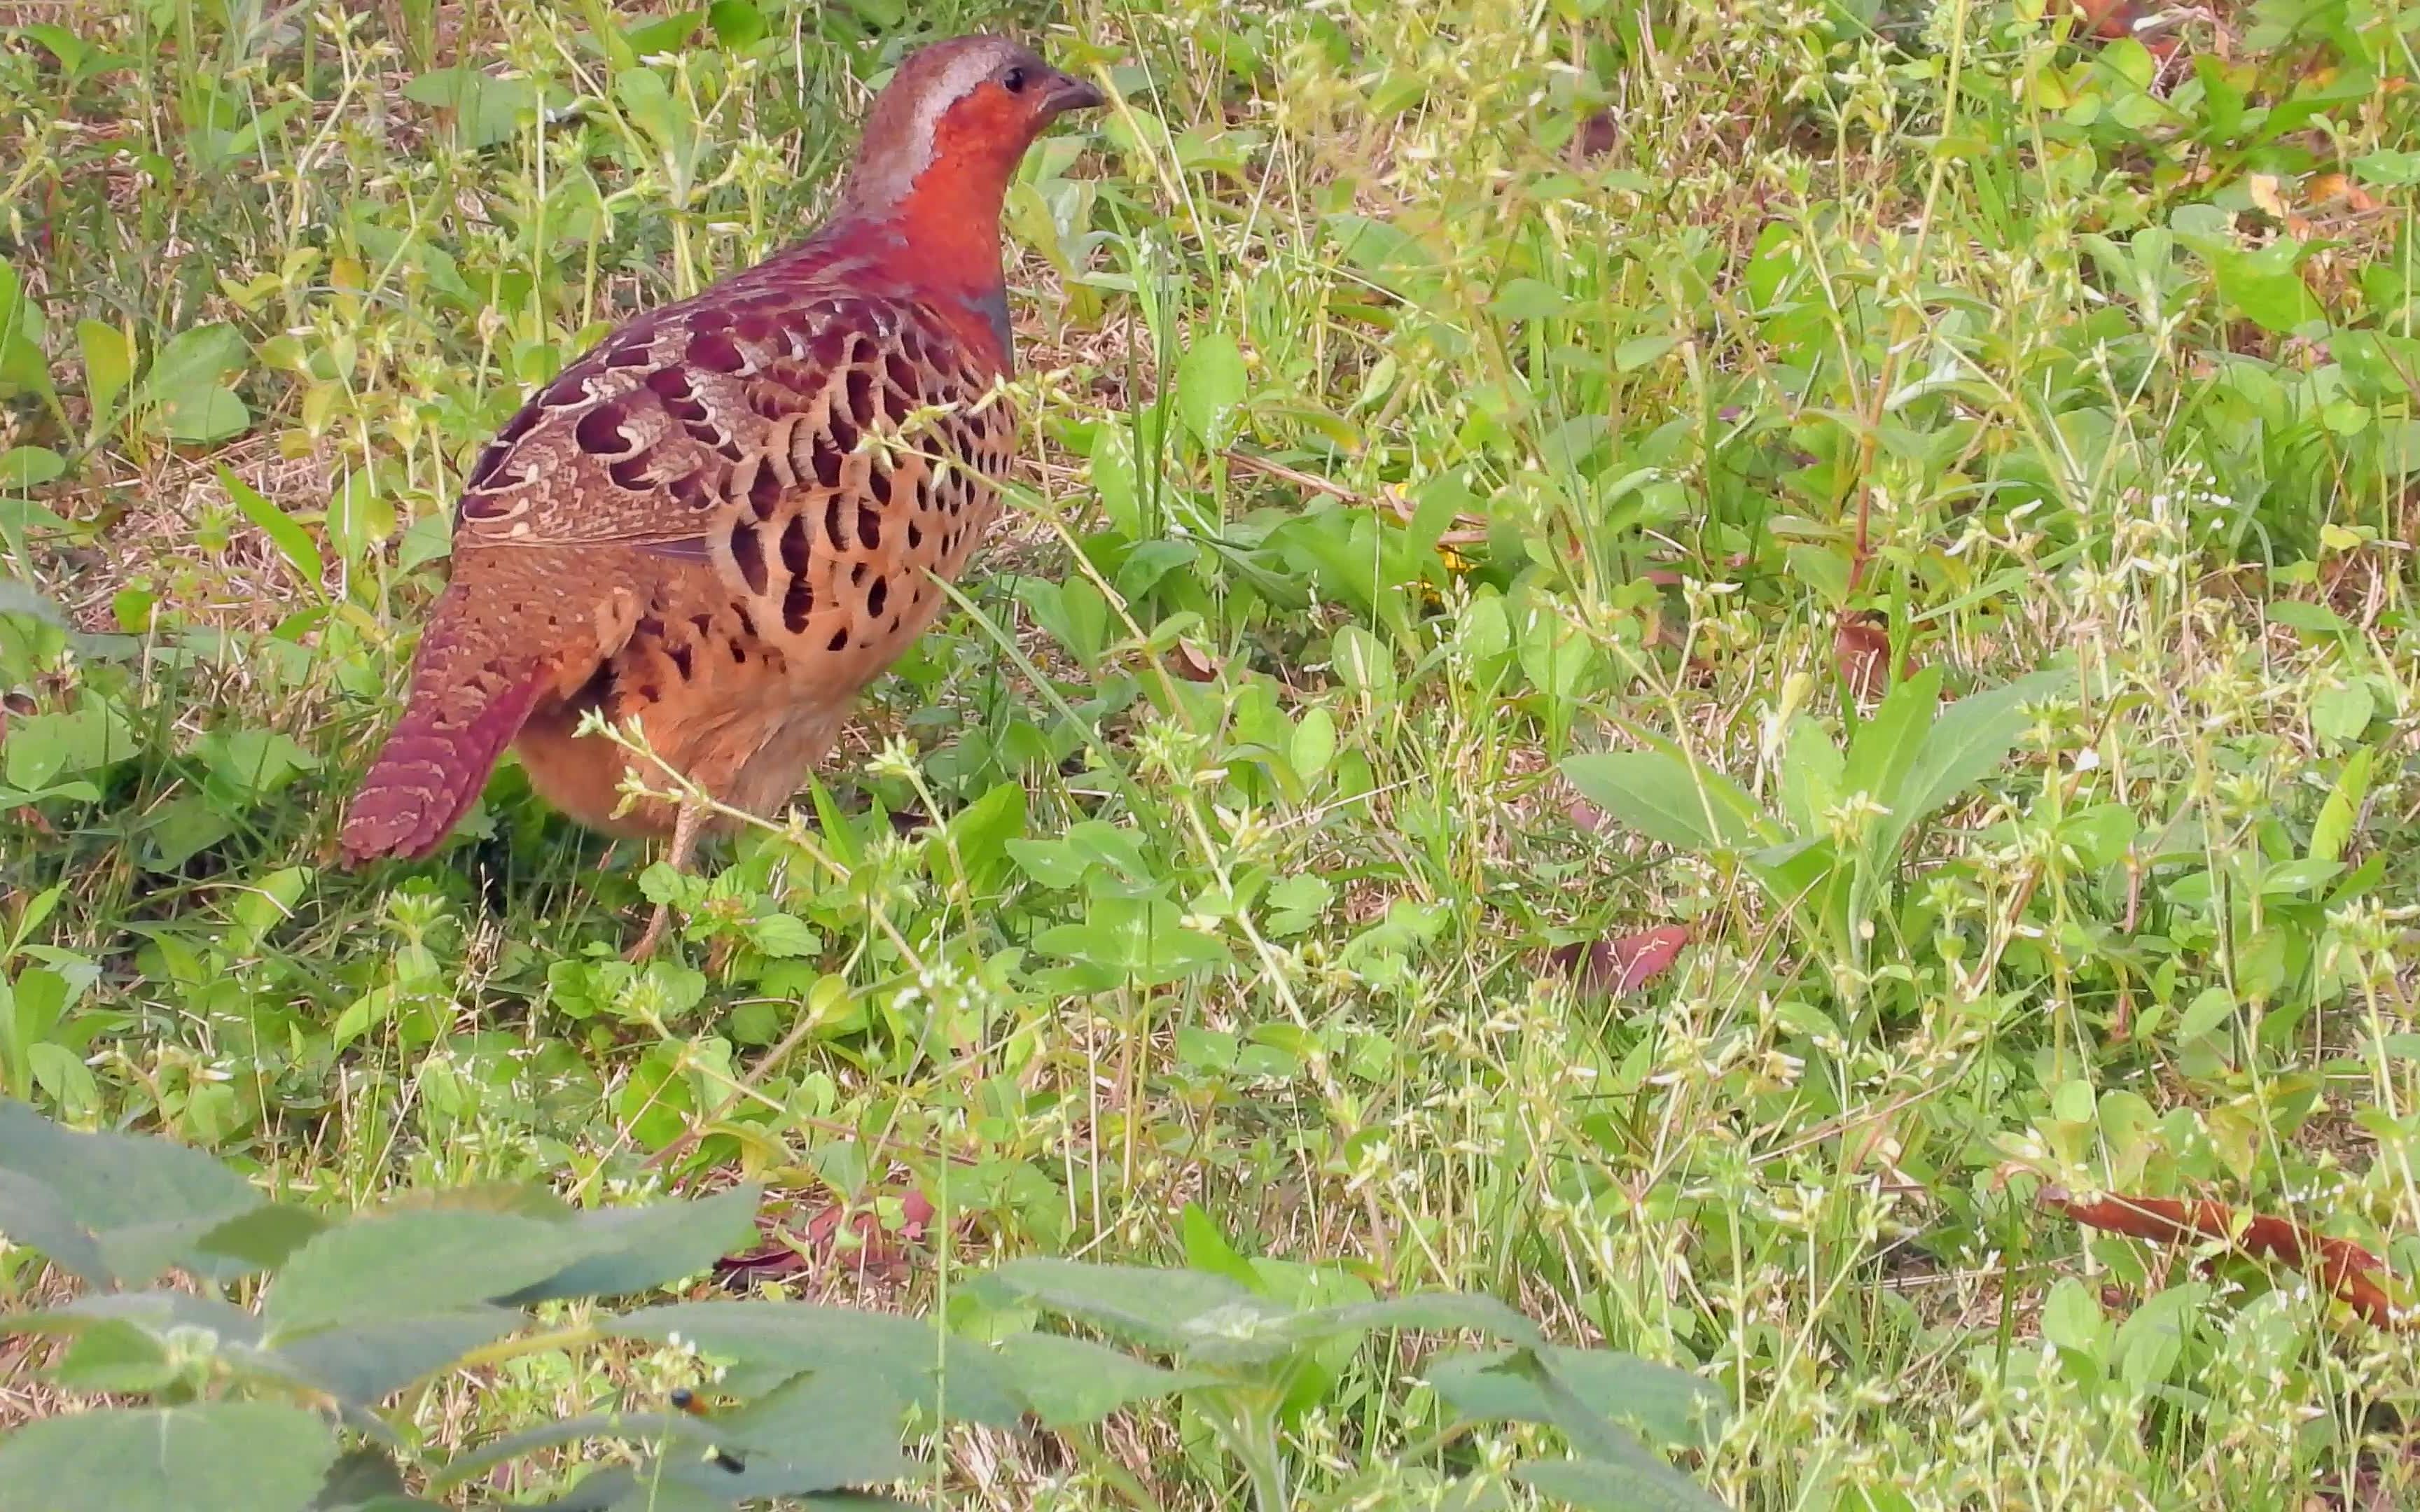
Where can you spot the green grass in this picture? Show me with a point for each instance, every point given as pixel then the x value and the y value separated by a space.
pixel 1255 848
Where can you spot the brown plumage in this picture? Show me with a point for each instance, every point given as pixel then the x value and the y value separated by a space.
pixel 727 518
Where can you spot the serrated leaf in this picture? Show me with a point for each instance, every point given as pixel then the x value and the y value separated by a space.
pixel 1626 1486
pixel 1070 1382
pixel 1443 1311
pixel 644 1427
pixel 637 1249
pixel 364 1363
pixel 777 1340
pixel 416 1264
pixel 218 1457
pixel 1671 1405
pixel 113 1209
pixel 1200 1316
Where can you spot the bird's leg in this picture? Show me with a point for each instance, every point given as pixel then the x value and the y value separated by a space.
pixel 686 824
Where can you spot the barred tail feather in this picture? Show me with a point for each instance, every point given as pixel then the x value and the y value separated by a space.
pixel 457 722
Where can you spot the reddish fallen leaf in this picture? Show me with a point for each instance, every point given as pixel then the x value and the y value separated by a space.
pixel 1861 649
pixel 1599 135
pixel 1625 963
pixel 2344 1267
pixel 1191 665
pixel 875 1250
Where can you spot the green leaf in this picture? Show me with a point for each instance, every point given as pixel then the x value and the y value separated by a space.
pixel 1811 769
pixel 413 1264
pixel 1209 385
pixel 219 1456
pixel 2273 298
pixel 30 467
pixel 637 1249
pixel 1208 1250
pixel 366 1363
pixel 1885 745
pixel 736 23
pixel 115 1356
pixel 823 1431
pixel 1071 1382
pixel 158 1311
pixel 113 1209
pixel 108 366
pixel 2337 815
pixel 487 110
pixel 2311 619
pixel 1669 1405
pixel 674 1427
pixel 1187 1312
pixel 1441 1311
pixel 364 1478
pixel 1668 798
pixel 1626 1486
pixel 1969 741
pixel 776 1340
pixel 186 387
pixel 261 1238
pixel 292 541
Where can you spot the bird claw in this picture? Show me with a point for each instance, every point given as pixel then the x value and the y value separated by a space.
pixel 645 946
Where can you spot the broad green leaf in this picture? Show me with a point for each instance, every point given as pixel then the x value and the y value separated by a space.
pixel 1071 1382
pixel 1187 1312
pixel 1669 1405
pixel 2334 827
pixel 2272 297
pixel 362 1478
pixel 642 1427
pixel 776 1340
pixel 1629 1486
pixel 1210 384
pixel 415 1264
pixel 1811 768
pixel 1441 1311
pixel 826 1430
pixel 217 1456
pixel 292 541
pixel 108 366
pixel 113 1355
pixel 30 467
pixel 1114 482
pixel 158 1311
pixel 486 109
pixel 1668 798
pixel 1887 743
pixel 1207 1249
pixel 366 1363
pixel 113 1209
pixel 257 1239
pixel 637 1249
pixel 193 361
pixel 736 23
pixel 1968 742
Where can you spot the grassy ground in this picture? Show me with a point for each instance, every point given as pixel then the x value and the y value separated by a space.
pixel 1422 397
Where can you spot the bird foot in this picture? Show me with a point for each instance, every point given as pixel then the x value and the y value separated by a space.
pixel 645 946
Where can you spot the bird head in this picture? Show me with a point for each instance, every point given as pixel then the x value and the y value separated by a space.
pixel 949 129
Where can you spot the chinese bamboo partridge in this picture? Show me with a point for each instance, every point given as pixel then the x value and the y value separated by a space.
pixel 728 517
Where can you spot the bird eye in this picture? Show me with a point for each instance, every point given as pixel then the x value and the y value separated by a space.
pixel 1014 81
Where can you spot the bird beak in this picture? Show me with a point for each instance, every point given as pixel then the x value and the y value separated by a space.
pixel 1071 93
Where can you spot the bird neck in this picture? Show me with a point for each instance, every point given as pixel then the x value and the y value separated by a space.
pixel 941 233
